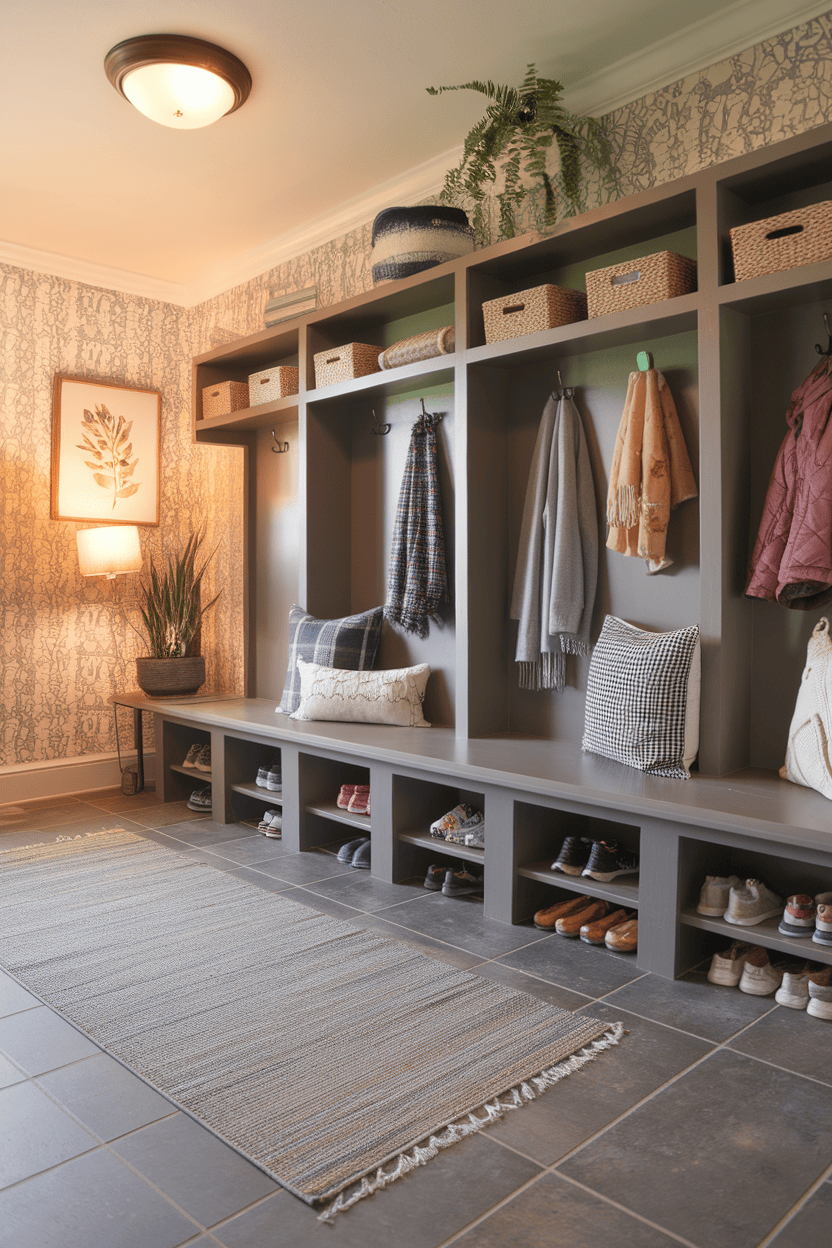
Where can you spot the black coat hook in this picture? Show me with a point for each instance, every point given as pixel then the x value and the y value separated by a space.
pixel 377 428
pixel 279 448
pixel 818 347
pixel 564 392
pixel 426 415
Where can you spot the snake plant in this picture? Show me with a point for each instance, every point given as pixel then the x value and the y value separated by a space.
pixel 171 605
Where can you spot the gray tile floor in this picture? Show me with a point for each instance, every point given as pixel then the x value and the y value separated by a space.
pixel 710 1125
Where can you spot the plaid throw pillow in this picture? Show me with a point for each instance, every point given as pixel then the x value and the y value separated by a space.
pixel 638 709
pixel 349 643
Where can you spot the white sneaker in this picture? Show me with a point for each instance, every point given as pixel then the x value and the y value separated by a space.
pixel 794 990
pixel 727 967
pixel 759 977
pixel 820 994
pixel 713 899
pixel 751 903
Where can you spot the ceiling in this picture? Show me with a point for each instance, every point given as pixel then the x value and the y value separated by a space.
pixel 338 124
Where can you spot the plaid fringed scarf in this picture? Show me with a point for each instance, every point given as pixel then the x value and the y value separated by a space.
pixel 416 582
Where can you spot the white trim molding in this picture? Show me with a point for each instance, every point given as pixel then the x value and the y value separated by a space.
pixel 90 274
pixel 64 777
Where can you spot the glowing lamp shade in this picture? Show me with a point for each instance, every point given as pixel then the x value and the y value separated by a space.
pixel 179 81
pixel 109 550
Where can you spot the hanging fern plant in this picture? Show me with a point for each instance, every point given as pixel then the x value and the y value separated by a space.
pixel 514 140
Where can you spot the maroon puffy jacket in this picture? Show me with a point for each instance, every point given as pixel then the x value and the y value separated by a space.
pixel 792 560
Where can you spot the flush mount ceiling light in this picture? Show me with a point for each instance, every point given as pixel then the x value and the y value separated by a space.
pixel 178 81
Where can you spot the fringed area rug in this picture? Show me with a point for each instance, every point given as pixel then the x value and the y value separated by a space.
pixel 332 1058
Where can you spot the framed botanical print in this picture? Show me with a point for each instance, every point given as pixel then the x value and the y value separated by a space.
pixel 105 452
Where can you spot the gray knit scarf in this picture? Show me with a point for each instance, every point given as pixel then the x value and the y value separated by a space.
pixel 557 563
pixel 417 582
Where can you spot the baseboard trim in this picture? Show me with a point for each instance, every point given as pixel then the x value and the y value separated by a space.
pixel 67 777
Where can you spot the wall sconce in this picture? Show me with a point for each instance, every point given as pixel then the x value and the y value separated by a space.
pixel 109 550
pixel 177 80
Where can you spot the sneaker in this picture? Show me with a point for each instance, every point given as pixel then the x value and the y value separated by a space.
pixel 346 791
pixel 573 856
pixel 202 762
pixel 759 977
pixel 820 994
pixel 262 780
pixel 453 820
pixel 571 924
pixel 714 895
pixel 475 826
pixel 623 938
pixel 752 903
pixel 346 852
pixel 274 780
pixel 201 799
pixel 594 933
pixel 726 968
pixel 359 803
pixel 822 934
pixel 799 916
pixel 475 836
pixel 192 756
pixel 361 857
pixel 547 918
pixel 268 815
pixel 275 827
pixel 462 881
pixel 794 989
pixel 435 877
pixel 608 859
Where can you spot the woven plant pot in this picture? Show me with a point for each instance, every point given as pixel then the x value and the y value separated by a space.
pixel 160 678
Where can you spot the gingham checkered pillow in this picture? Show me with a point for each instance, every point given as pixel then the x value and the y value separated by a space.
pixel 642 697
pixel 349 643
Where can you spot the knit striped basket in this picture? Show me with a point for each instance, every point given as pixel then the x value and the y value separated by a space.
pixel 408 240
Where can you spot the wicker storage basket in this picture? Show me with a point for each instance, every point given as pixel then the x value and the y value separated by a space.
pixel 272 383
pixel 419 347
pixel 224 398
pixel 635 283
pixel 542 307
pixel 803 236
pixel 356 359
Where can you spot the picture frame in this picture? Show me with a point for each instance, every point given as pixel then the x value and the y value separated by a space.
pixel 105 452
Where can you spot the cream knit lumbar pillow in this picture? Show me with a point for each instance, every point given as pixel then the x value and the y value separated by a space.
pixel 392 697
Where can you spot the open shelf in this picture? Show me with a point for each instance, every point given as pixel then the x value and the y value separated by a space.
pixel 278 411
pixel 390 381
pixel 193 772
pixel 439 846
pixel 623 891
pixel 789 288
pixel 262 795
pixel 802 949
pixel 328 810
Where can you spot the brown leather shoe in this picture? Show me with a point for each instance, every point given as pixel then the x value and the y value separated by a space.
pixel 546 919
pixel 572 924
pixel 623 938
pixel 594 933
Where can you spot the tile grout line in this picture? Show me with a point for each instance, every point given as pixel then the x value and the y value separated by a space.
pixel 795 1209
pixel 500 1204
pixel 656 1226
pixel 775 1066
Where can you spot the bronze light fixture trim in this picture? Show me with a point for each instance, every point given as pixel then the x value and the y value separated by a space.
pixel 163 53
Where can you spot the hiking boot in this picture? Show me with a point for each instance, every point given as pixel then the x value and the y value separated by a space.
pixel 459 882
pixel 624 937
pixel 452 820
pixel 595 932
pixel 346 791
pixel 822 934
pixel 571 924
pixel 192 755
pixel 799 916
pixel 435 877
pixel 714 895
pixel 361 857
pixel 201 800
pixel 794 988
pixel 759 978
pixel 202 762
pixel 752 903
pixel 547 918
pixel 573 856
pixel 609 859
pixel 347 852
pixel 274 828
pixel 726 968
pixel 820 994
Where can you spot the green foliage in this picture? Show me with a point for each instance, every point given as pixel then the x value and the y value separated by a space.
pixel 107 439
pixel 514 139
pixel 172 610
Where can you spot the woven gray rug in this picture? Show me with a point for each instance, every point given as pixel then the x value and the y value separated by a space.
pixel 333 1058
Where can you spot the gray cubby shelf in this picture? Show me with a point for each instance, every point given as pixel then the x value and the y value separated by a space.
pixel 622 891
pixel 260 794
pixel 329 810
pixel 765 933
pixel 193 772
pixel 445 848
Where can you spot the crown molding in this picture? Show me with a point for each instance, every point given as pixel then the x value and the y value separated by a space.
pixel 90 274
pixel 693 48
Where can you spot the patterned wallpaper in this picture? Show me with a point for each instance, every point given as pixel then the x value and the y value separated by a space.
pixel 64 642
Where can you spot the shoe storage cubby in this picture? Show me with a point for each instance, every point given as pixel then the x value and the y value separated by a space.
pixel 539 833
pixel 417 804
pixel 243 759
pixel 322 821
pixel 798 873
pixel 177 781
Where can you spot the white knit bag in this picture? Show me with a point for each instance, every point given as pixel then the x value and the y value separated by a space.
pixel 808 759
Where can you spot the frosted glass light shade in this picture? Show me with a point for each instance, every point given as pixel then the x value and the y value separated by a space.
pixel 183 97
pixel 108 550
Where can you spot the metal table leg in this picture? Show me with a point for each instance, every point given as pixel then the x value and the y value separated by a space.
pixel 138 744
